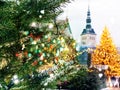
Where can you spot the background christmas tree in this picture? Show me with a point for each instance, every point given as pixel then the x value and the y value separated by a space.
pixel 106 54
pixel 30 37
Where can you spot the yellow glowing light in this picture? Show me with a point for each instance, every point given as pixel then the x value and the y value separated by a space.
pixel 45 61
pixel 66 48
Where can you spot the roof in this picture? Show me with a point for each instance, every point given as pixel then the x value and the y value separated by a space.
pixel 88 31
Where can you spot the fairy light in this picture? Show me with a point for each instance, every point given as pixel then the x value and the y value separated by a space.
pixel 42 11
pixel 15 79
pixel 33 24
pixel 50 26
pixel 40 16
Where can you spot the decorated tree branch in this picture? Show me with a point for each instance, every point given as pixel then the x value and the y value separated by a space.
pixel 28 38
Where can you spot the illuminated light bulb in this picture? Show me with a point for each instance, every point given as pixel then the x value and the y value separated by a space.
pixel 43 44
pixel 34 24
pixel 0 86
pixel 45 48
pixel 45 61
pixel 46 84
pixel 57 54
pixel 100 75
pixel 41 58
pixel 36 46
pixel 23 46
pixel 51 75
pixel 48 54
pixel 66 48
pixel 50 26
pixel 61 49
pixel 34 42
pixel 54 41
pixel 26 32
pixel 40 16
pixel 16 81
pixel 62 39
pixel 100 69
pixel 42 11
pixel 74 44
pixel 46 36
pixel 15 77
pixel 44 54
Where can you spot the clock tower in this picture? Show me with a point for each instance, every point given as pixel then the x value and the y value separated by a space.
pixel 88 35
pixel 88 39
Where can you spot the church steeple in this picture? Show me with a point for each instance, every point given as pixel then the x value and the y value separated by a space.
pixel 88 39
pixel 88 20
pixel 88 29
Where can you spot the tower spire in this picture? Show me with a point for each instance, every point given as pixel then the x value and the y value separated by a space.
pixel 88 39
pixel 88 29
pixel 88 20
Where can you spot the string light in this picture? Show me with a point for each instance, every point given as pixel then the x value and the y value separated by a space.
pixel 23 46
pixel 50 26
pixel 34 42
pixel 33 24
pixel 42 11
pixel 15 79
pixel 40 16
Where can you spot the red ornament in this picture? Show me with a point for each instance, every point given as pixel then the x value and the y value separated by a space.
pixel 31 35
pixel 17 54
pixel 51 46
pixel 35 63
pixel 56 58
pixel 40 54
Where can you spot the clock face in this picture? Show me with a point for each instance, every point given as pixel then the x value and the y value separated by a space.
pixel 88 40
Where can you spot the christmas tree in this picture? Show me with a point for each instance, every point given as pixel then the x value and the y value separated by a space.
pixel 106 54
pixel 30 38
